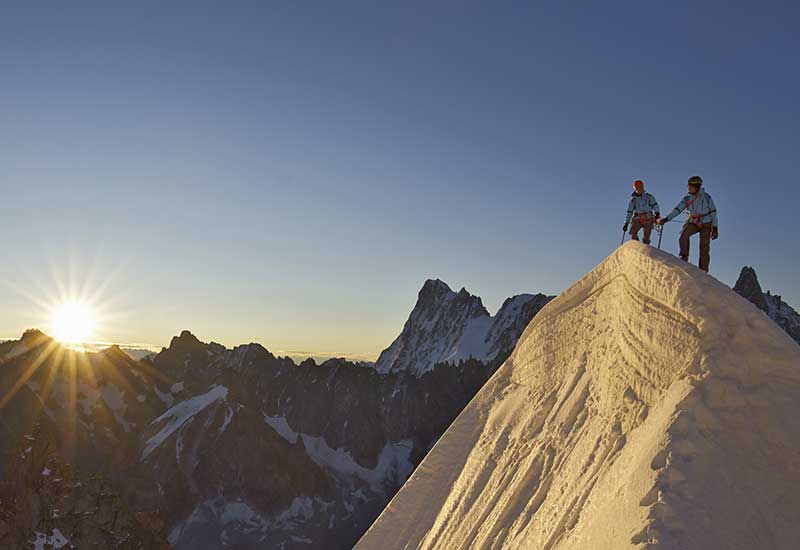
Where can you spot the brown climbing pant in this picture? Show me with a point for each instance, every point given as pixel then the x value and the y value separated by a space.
pixel 647 226
pixel 690 229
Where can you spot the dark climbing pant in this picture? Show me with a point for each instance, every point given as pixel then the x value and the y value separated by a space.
pixel 705 243
pixel 647 226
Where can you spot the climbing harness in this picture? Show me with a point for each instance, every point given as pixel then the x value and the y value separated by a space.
pixel 695 218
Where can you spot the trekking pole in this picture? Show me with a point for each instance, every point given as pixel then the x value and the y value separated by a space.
pixel 660 234
pixel 623 238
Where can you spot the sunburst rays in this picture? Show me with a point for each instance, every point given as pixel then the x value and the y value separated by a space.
pixel 73 300
pixel 72 322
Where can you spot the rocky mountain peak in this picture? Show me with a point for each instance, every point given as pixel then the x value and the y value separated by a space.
pixel 748 287
pixel 308 363
pixel 253 353
pixel 448 327
pixel 433 287
pixel 185 338
pixel 115 352
pixel 187 343
pixel 34 338
pixel 771 304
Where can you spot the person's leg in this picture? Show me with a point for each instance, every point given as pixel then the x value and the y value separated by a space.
pixel 635 226
pixel 689 229
pixel 648 230
pixel 705 247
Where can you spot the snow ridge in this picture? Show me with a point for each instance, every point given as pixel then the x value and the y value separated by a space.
pixel 646 407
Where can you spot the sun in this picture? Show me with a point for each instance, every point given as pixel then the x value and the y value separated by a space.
pixel 72 322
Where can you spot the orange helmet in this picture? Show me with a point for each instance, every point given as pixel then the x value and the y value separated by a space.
pixel 638 184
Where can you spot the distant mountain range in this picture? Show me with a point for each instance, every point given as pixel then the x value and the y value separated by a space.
pixel 200 446
pixel 135 351
pixel 240 448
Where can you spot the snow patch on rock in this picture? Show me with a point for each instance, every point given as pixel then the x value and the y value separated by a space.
pixel 280 425
pixel 226 421
pixel 393 461
pixel 239 517
pixel 53 541
pixel 175 417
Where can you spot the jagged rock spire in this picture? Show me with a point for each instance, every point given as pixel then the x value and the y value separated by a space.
pixel 748 287
pixel 447 327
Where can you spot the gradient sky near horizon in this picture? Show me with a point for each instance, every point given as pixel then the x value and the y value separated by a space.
pixel 291 172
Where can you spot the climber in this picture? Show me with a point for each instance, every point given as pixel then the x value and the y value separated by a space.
pixel 643 208
pixel 702 219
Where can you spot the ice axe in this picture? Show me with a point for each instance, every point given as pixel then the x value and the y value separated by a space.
pixel 660 229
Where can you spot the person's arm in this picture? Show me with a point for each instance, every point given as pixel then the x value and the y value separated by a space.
pixel 678 209
pixel 712 209
pixel 630 212
pixel 654 206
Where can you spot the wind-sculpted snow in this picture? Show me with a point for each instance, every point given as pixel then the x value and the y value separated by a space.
pixel 647 407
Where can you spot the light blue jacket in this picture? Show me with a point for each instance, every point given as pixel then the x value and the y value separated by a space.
pixel 703 209
pixel 642 204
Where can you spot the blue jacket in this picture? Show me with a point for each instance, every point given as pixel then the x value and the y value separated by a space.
pixel 703 209
pixel 642 204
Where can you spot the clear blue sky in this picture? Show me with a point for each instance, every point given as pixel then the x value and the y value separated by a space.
pixel 291 173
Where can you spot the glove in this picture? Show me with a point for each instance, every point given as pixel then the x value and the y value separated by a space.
pixel 625 227
pixel 714 233
pixel 662 221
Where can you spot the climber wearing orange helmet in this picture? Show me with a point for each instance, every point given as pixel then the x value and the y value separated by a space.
pixel 643 208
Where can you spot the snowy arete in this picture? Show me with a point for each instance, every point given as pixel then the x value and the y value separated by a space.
pixel 649 406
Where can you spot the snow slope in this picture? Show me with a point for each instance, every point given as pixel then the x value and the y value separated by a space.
pixel 647 407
